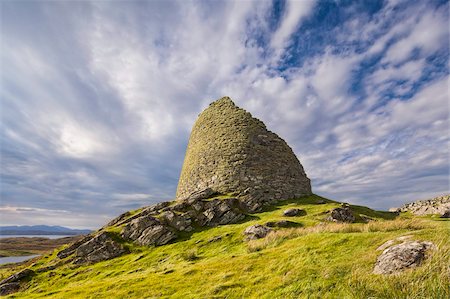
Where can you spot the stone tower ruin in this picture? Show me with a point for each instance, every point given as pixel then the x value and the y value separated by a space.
pixel 233 153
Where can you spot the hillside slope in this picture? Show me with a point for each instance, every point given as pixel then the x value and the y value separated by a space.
pixel 311 259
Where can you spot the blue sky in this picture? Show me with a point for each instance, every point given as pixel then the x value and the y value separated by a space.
pixel 98 98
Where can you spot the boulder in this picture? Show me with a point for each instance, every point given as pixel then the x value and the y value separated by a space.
pixel 342 214
pixel 256 231
pixel 156 235
pixel 100 248
pixel 198 195
pixel 446 214
pixel 72 247
pixel 400 257
pixel 220 212
pixel 18 277
pixel 9 288
pixel 147 230
pixel 12 283
pixel 294 212
pixel 179 222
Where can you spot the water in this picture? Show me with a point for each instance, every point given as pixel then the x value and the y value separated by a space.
pixel 36 236
pixel 16 259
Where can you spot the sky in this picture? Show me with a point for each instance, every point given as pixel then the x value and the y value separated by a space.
pixel 98 98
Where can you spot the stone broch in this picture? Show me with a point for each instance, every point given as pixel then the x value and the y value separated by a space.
pixel 231 152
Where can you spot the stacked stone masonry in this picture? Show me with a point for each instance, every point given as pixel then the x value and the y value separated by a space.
pixel 233 153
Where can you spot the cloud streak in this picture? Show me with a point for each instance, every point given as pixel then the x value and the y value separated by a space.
pixel 98 98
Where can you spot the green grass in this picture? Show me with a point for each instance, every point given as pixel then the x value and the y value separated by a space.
pixel 309 261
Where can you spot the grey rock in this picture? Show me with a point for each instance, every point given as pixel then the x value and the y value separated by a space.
pixel 438 205
pixel 294 212
pixel 220 212
pixel 9 288
pixel 400 257
pixel 256 231
pixel 343 214
pixel 446 214
pixel 134 229
pixel 72 247
pixel 147 230
pixel 152 210
pixel 179 222
pixel 100 248
pixel 156 235
pixel 202 194
pixel 18 277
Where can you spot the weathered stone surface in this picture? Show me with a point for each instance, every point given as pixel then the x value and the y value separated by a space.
pixel 220 212
pixel 230 152
pixel 400 257
pixel 9 288
pixel 72 247
pixel 446 214
pixel 343 214
pixel 202 194
pixel 12 283
pixel 18 277
pixel 294 212
pixel 156 235
pixel 256 231
pixel 179 222
pixel 147 230
pixel 438 205
pixel 99 248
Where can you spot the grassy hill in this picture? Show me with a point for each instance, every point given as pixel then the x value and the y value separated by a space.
pixel 311 259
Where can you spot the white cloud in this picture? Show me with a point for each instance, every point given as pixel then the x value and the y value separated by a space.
pixel 295 11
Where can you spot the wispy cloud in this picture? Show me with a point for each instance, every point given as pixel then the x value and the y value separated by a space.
pixel 98 98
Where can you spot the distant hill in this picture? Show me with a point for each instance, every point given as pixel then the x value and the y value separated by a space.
pixel 41 230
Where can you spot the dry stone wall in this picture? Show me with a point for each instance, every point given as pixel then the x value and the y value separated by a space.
pixel 231 152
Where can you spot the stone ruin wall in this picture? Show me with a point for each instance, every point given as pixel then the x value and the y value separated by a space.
pixel 231 152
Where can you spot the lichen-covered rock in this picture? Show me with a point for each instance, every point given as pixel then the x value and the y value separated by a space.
pixel 220 212
pixel 179 222
pixel 438 205
pixel 18 277
pixel 400 257
pixel 12 283
pixel 99 248
pixel 446 214
pixel 342 214
pixel 156 235
pixel 9 288
pixel 256 231
pixel 294 212
pixel 72 247
pixel 148 230
pixel 230 152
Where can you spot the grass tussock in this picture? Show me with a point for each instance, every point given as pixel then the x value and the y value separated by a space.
pixel 277 237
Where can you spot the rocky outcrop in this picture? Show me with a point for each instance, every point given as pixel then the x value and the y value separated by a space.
pixel 100 247
pixel 230 152
pixel 400 257
pixel 438 205
pixel 12 283
pixel 342 214
pixel 256 231
pixel 446 214
pixel 156 225
pixel 147 230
